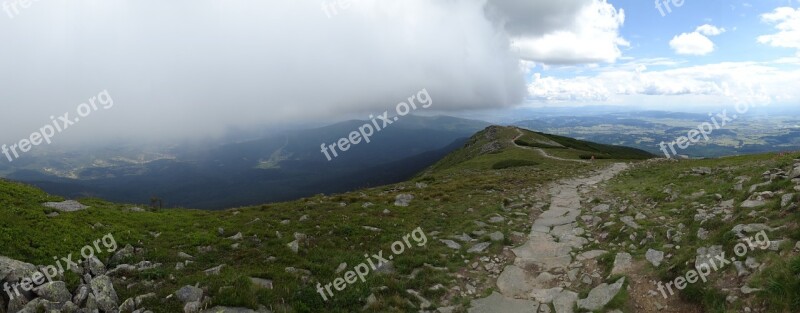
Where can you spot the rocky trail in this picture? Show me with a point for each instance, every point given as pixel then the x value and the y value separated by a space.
pixel 552 267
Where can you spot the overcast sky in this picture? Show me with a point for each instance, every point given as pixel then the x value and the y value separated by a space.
pixel 196 67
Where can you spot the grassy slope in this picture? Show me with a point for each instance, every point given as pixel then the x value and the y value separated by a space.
pixel 644 187
pixel 462 189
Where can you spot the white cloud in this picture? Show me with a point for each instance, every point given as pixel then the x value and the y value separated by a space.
pixel 710 30
pixel 697 42
pixel 787 22
pixel 563 32
pixel 722 83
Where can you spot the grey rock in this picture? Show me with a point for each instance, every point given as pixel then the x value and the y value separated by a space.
pixel 622 263
pixel 81 295
pixel 601 208
pixel 601 295
pixel 629 220
pixel 128 306
pixel 104 293
pixel 262 283
pixel 214 270
pixel 66 206
pixel 655 257
pixel 565 302
pixel 94 267
pixel 238 236
pixel 702 234
pixel 497 219
pixel 54 292
pixel 294 246
pixel 123 254
pixel 498 303
pixel 13 271
pixel 222 309
pixel 497 236
pixel 451 244
pixel 479 248
pixel 192 307
pixel 185 256
pixel 189 294
pixel 786 199
pixel 706 255
pixel 403 200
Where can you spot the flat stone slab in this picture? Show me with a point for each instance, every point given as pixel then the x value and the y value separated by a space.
pixel 600 296
pixel 622 263
pixel 66 206
pixel 496 303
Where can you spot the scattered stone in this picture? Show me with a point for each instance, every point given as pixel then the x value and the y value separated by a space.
pixel 54 292
pixel 262 283
pixel 497 236
pixel 601 295
pixel 786 199
pixel 702 234
pixel 479 248
pixel 655 257
pixel 66 206
pixel 497 219
pixel 622 263
pixel 640 216
pixel 498 303
pixel 403 200
pixel 451 244
pixel 189 294
pixel 104 293
pixel 214 270
pixel 565 302
pixel 628 220
pixel 602 208
pixel 341 267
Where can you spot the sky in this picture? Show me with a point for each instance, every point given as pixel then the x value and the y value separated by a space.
pixel 193 68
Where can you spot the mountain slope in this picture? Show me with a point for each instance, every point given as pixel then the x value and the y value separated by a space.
pixel 277 168
pixel 465 222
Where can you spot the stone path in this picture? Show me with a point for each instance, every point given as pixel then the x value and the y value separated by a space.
pixel 544 265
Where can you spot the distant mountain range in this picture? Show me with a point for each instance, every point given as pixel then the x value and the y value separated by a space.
pixel 282 167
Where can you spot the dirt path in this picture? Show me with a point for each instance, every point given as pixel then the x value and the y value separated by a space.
pixel 541 151
pixel 544 268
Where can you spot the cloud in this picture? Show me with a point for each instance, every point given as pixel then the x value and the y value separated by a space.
pixel 787 22
pixel 198 67
pixel 710 30
pixel 697 42
pixel 562 32
pixel 703 85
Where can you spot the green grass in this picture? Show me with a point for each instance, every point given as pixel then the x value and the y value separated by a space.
pixel 462 188
pixel 513 163
pixel 643 188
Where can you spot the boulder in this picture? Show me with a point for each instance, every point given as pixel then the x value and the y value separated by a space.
pixel 54 292
pixel 104 293
pixel 189 294
pixel 601 295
